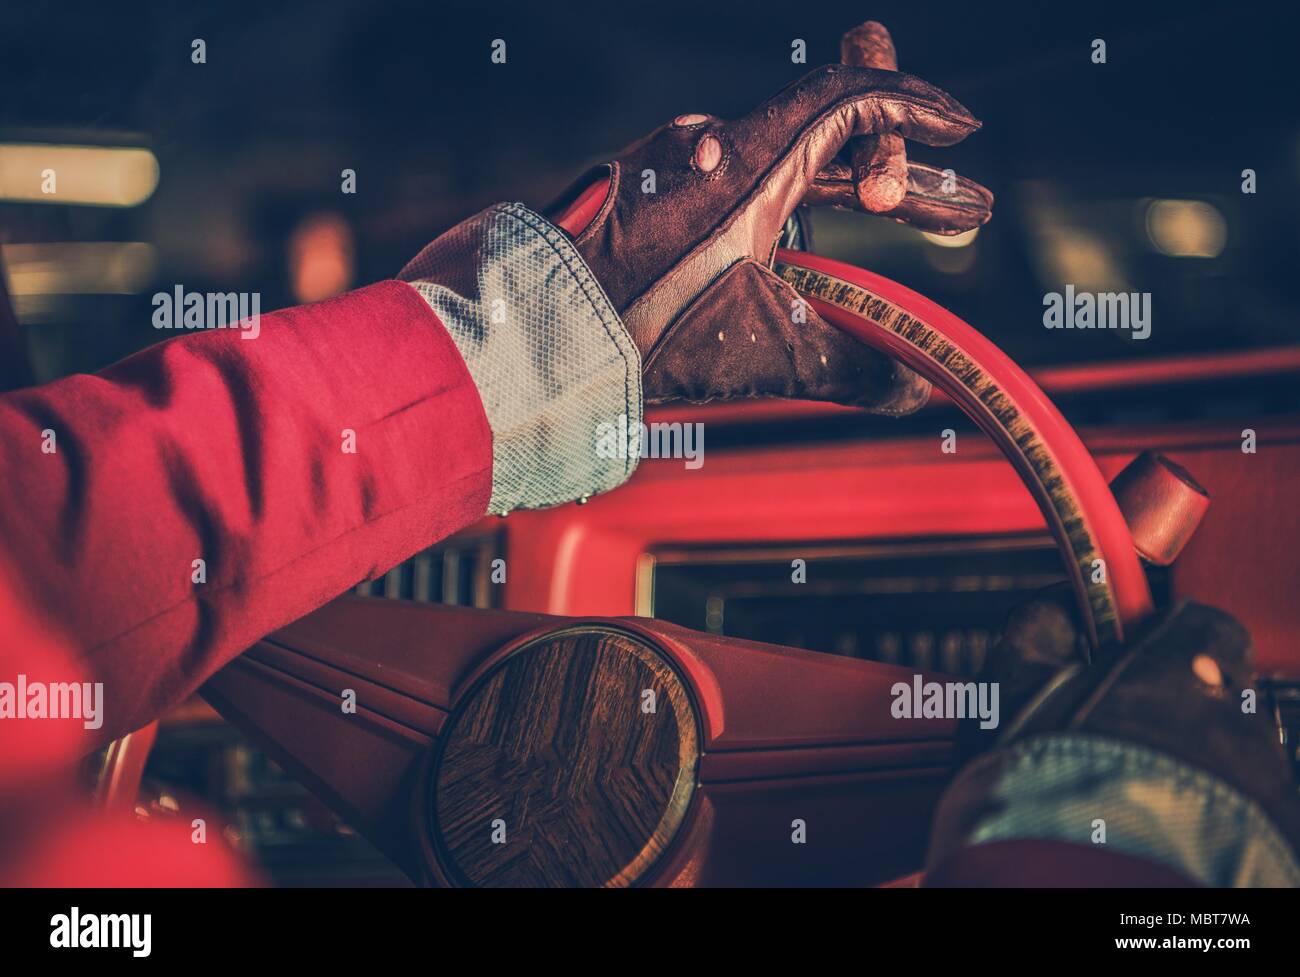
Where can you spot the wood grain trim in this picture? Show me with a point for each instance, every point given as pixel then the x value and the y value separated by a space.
pixel 553 741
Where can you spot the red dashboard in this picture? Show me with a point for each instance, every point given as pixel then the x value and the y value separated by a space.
pixel 805 493
pixel 894 541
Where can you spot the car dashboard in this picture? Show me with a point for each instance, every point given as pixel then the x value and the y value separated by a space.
pixel 821 528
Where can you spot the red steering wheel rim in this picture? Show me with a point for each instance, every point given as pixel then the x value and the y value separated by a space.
pixel 1000 397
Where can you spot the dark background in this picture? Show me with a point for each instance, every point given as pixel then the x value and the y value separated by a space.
pixel 252 143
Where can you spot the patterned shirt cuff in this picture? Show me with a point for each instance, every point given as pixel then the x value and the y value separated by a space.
pixel 552 361
pixel 1095 790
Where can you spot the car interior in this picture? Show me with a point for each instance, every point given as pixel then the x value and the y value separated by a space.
pixel 813 558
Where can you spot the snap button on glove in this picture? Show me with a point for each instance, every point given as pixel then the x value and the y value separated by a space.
pixel 687 265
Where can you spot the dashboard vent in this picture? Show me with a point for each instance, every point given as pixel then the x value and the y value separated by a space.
pixel 936 604
pixel 456 571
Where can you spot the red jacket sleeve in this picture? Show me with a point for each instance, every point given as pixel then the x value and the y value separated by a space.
pixel 342 439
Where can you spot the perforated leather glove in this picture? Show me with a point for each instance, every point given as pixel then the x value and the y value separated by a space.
pixel 1175 720
pixel 681 228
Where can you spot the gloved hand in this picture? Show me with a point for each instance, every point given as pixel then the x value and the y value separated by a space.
pixel 681 228
pixel 1177 688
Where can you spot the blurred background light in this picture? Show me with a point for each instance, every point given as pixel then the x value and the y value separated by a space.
pixel 79 267
pixel 952 254
pixel 1070 246
pixel 320 257
pixel 1083 260
pixel 101 176
pixel 952 240
pixel 1186 228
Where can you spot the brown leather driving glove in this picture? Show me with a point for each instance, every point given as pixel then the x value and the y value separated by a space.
pixel 686 222
pixel 1185 687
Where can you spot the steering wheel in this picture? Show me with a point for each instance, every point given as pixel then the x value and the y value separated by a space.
pixel 498 748
pixel 997 395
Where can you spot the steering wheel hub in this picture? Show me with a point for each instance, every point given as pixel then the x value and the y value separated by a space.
pixel 571 762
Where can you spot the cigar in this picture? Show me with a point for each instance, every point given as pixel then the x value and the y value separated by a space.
pixel 938 201
pixel 880 160
pixel 880 179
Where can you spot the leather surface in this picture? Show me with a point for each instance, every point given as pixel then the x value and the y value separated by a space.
pixel 721 193
pixel 739 340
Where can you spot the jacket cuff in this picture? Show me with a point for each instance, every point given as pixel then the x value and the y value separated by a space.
pixel 1118 796
pixel 555 367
